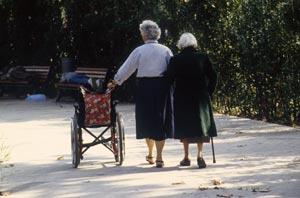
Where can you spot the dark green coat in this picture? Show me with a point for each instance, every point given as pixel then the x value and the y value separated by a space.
pixel 194 81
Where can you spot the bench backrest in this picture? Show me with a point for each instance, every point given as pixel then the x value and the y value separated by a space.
pixel 92 72
pixel 40 73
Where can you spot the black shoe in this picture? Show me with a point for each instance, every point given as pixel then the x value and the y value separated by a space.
pixel 201 163
pixel 185 162
pixel 159 164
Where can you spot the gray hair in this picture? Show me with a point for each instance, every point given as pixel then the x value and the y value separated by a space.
pixel 150 29
pixel 187 40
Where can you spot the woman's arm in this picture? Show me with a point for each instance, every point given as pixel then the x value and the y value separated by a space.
pixel 211 75
pixel 128 68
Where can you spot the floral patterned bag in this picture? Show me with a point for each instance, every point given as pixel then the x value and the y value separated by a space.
pixel 97 108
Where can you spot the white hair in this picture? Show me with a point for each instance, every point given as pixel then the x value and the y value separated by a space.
pixel 150 29
pixel 187 40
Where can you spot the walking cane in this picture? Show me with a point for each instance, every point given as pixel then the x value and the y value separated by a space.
pixel 213 150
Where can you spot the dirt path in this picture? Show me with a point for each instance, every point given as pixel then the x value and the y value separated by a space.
pixel 254 159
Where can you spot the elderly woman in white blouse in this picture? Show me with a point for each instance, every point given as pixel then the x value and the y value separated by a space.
pixel 154 111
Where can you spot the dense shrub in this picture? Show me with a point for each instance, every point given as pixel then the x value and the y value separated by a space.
pixel 254 45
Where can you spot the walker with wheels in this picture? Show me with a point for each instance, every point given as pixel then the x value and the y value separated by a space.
pixel 96 116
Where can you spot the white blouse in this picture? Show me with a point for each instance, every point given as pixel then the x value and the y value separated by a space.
pixel 150 60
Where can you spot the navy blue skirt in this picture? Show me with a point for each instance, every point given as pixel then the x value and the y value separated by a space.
pixel 154 108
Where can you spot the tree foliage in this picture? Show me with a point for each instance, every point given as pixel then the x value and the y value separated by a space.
pixel 254 44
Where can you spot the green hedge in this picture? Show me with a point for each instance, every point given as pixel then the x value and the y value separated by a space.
pixel 254 45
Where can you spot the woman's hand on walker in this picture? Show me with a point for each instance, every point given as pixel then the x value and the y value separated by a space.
pixel 111 85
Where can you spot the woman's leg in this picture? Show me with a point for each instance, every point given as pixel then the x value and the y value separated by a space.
pixel 159 148
pixel 200 147
pixel 186 150
pixel 186 161
pixel 150 145
pixel 200 161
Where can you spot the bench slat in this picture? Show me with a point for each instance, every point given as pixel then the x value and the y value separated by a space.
pixel 92 72
pixel 40 74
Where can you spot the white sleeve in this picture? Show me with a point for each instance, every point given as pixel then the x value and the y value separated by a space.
pixel 169 55
pixel 128 68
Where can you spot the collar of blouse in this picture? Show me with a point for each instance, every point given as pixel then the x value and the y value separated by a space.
pixel 151 41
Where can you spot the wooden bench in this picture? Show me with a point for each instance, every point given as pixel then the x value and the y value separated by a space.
pixel 65 88
pixel 41 77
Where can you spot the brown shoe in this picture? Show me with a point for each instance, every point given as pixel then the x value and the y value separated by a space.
pixel 201 163
pixel 159 163
pixel 185 162
pixel 150 159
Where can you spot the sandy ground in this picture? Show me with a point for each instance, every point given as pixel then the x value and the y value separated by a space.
pixel 254 159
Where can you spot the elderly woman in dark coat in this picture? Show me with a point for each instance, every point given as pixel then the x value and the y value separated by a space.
pixel 195 80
